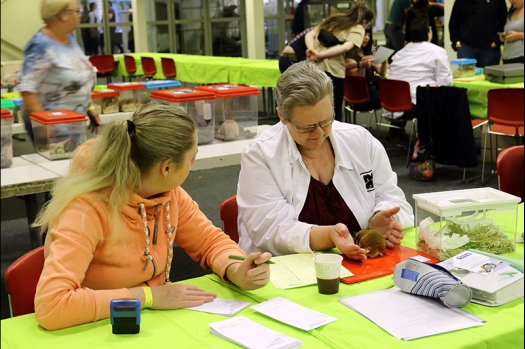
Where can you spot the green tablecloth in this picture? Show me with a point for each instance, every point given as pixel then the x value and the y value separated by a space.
pixel 210 69
pixel 477 94
pixel 188 329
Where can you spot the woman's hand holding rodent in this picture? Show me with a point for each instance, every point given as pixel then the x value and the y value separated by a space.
pixel 342 239
pixel 386 224
pixel 252 273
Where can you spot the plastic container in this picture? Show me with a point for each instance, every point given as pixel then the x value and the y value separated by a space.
pixel 7 139
pixel 106 101
pixel 200 105
pixel 463 68
pixel 450 222
pixel 58 132
pixel 131 95
pixel 10 105
pixel 236 110
pixel 100 87
pixel 155 85
pixel 505 73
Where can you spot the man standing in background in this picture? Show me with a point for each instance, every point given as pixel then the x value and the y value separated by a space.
pixel 474 26
pixel 395 37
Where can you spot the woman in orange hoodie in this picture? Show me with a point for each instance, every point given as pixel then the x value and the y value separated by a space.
pixel 113 220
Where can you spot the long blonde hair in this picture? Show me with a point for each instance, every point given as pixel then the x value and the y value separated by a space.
pixel 112 164
pixel 343 21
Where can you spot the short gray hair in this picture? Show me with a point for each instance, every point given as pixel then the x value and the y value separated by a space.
pixel 50 9
pixel 302 84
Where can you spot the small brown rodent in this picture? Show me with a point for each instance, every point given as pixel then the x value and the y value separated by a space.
pixel 372 241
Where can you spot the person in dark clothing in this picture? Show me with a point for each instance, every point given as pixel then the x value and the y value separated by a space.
pixel 474 26
pixel 294 52
pixel 425 9
pixel 301 19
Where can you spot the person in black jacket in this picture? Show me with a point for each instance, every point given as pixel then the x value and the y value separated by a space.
pixel 428 10
pixel 301 19
pixel 474 26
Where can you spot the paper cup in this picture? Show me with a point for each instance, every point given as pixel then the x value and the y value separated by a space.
pixel 328 272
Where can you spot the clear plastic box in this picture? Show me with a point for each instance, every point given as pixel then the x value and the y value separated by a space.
pixel 463 68
pixel 7 139
pixel 58 132
pixel 131 95
pixel 10 105
pixel 236 110
pixel 450 222
pixel 155 85
pixel 106 101
pixel 200 105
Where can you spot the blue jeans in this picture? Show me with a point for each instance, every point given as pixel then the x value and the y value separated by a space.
pixel 485 56
pixel 395 38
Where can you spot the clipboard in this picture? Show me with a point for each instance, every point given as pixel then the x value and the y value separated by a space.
pixel 380 266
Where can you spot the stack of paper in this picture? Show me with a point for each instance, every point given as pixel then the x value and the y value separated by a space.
pixel 493 281
pixel 293 314
pixel 406 316
pixel 249 334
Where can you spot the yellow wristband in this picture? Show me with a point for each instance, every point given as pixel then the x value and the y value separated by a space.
pixel 148 297
pixel 91 107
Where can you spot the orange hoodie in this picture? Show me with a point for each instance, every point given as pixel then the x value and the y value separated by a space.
pixel 83 271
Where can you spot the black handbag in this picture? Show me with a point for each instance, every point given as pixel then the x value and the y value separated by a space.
pixel 328 39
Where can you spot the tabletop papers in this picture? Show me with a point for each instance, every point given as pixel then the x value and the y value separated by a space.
pixel 296 270
pixel 406 316
pixel 249 334
pixel 226 307
pixel 293 314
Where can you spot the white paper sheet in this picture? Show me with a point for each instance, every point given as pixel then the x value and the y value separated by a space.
pixel 406 316
pixel 296 270
pixel 293 314
pixel 226 307
pixel 382 54
pixel 249 334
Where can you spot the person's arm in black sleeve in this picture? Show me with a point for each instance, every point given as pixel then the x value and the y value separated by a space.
pixel 454 24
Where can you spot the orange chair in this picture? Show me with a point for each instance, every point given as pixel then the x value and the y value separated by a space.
pixel 356 93
pixel 20 281
pixel 168 67
pixel 148 66
pixel 509 167
pixel 105 65
pixel 505 116
pixel 395 97
pixel 229 212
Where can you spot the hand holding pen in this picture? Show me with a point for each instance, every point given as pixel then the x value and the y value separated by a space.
pixel 252 273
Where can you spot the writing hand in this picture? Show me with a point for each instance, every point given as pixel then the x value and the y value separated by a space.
pixel 386 224
pixel 252 273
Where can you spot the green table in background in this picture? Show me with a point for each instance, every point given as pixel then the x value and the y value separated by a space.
pixel 477 94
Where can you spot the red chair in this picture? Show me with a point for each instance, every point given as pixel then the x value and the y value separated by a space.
pixel 356 93
pixel 509 167
pixel 148 66
pixel 168 67
pixel 505 116
pixel 20 281
pixel 395 97
pixel 105 65
pixel 131 67
pixel 229 212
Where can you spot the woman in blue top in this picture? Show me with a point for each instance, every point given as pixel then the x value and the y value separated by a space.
pixel 56 74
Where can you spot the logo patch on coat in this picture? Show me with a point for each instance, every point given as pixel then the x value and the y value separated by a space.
pixel 368 178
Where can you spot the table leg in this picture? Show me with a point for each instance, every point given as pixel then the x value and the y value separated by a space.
pixel 31 212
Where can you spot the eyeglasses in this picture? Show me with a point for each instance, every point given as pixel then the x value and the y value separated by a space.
pixel 78 11
pixel 311 128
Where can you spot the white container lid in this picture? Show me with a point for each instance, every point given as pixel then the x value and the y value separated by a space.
pixel 454 202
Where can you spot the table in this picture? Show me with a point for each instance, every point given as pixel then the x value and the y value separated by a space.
pixel 25 178
pixel 187 329
pixel 477 94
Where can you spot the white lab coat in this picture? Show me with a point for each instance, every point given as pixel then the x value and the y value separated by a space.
pixel 274 181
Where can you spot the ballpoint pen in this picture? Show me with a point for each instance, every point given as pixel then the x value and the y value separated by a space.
pixel 241 258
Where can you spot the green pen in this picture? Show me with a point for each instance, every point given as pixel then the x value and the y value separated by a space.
pixel 241 258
